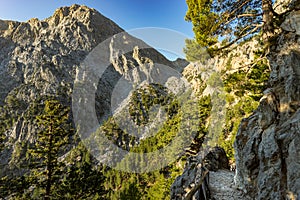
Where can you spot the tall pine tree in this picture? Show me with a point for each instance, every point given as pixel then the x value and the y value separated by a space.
pixel 54 133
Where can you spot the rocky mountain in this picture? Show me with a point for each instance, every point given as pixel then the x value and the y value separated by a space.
pixel 48 59
pixel 42 58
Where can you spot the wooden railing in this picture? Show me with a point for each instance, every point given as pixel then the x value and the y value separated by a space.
pixel 202 187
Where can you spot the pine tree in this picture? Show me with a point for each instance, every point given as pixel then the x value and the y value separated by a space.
pixel 82 179
pixel 229 21
pixel 195 52
pixel 52 137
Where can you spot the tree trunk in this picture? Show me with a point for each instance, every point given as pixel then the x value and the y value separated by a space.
pixel 268 17
pixel 49 166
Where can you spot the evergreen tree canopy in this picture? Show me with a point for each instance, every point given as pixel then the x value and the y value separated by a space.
pixel 229 21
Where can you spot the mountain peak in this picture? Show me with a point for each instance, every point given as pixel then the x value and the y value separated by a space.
pixel 78 12
pixel 68 25
pixel 82 15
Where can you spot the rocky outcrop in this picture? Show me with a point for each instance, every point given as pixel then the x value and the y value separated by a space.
pixel 216 159
pixel 36 51
pixel 267 143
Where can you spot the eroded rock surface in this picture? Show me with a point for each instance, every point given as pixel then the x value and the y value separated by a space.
pixel 267 143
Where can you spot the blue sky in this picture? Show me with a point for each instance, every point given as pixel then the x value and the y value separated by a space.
pixel 128 14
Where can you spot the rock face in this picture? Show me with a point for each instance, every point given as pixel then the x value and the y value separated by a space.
pixel 36 51
pixel 41 58
pixel 267 143
pixel 216 159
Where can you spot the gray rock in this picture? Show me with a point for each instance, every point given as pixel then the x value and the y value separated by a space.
pixel 216 159
pixel 267 157
pixel 292 22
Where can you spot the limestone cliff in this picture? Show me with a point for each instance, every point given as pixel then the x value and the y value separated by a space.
pixel 267 143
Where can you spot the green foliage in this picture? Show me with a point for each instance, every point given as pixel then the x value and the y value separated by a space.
pixel 13 186
pixel 52 137
pixel 251 82
pixel 9 114
pixel 228 21
pixel 244 90
pixel 144 98
pixel 204 20
pixel 117 135
pixel 153 185
pixel 5 124
pixel 194 52
pixel 80 179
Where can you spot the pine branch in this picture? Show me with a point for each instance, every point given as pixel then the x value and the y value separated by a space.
pixel 238 38
pixel 238 8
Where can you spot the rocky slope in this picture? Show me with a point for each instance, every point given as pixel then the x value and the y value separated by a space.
pixel 40 58
pixel 267 143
